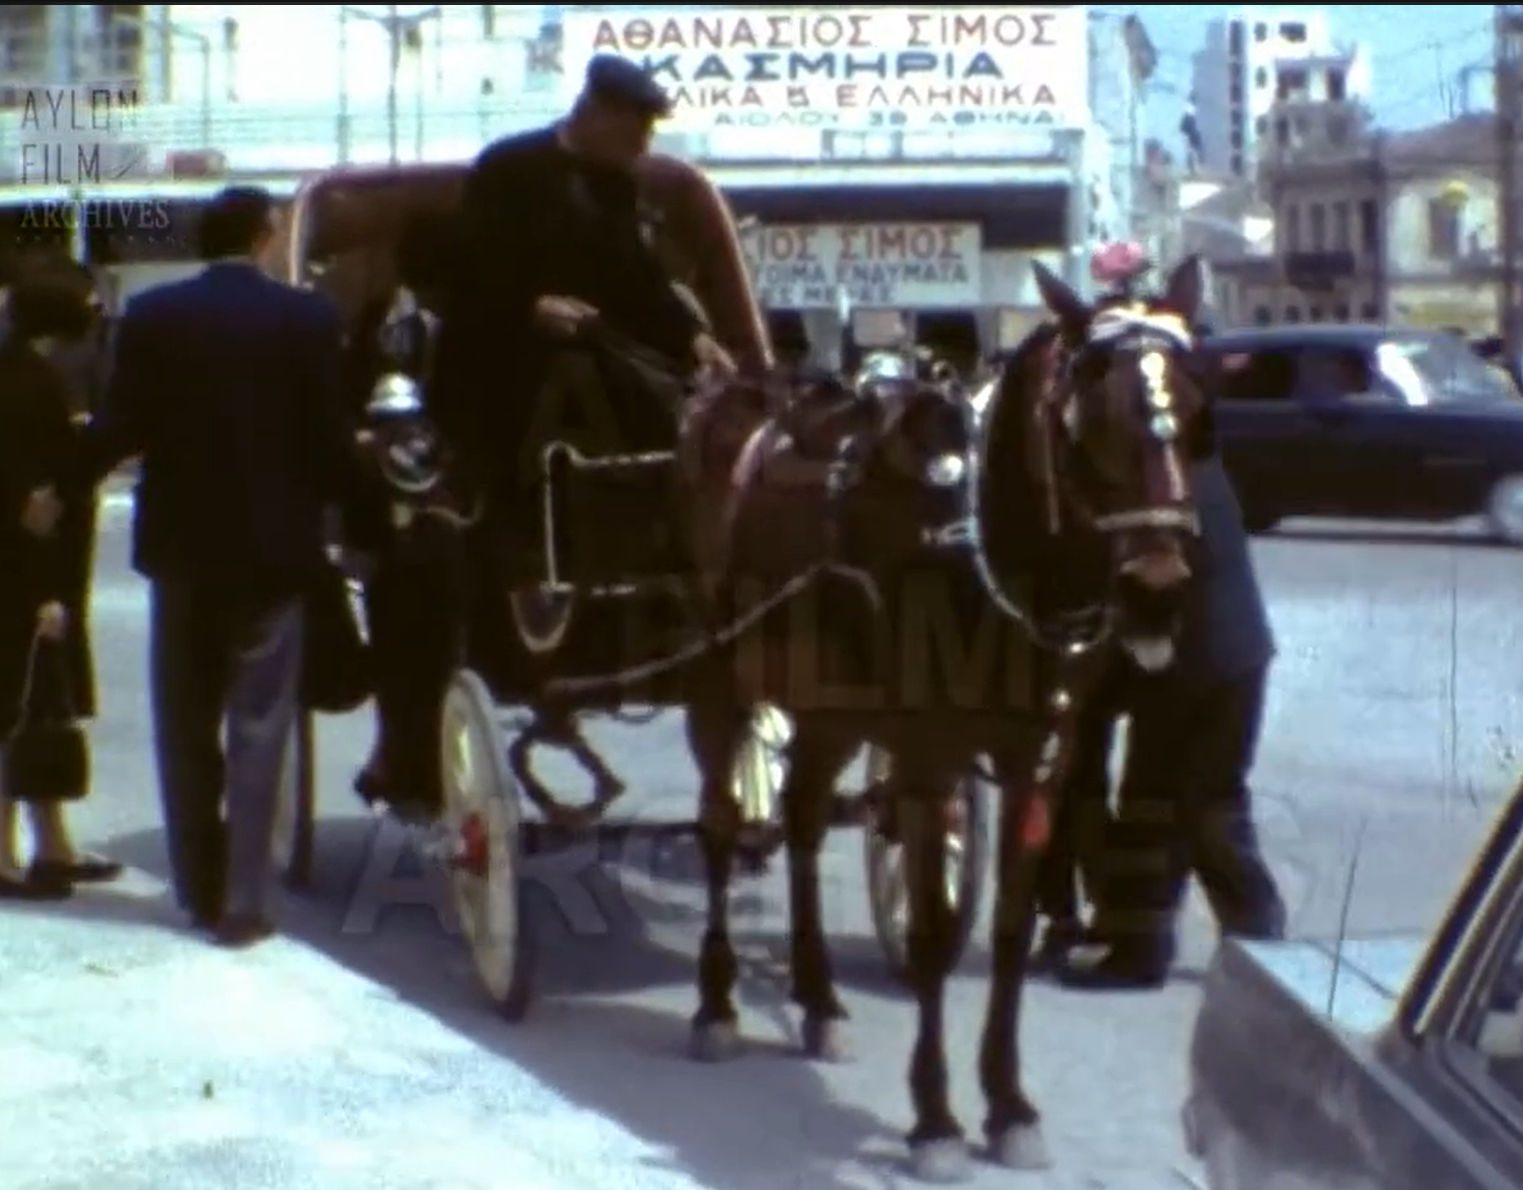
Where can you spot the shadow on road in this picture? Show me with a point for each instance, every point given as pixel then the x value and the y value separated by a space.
pixel 380 912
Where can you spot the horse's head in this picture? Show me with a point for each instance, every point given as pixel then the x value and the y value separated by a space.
pixel 912 467
pixel 1084 489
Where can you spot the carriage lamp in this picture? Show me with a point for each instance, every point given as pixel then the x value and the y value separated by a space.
pixel 406 448
pixel 395 396
pixel 946 471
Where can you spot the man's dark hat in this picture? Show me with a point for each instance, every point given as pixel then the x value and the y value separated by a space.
pixel 618 80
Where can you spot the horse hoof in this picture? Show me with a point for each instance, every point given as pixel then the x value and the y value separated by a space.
pixel 825 1039
pixel 717 1041
pixel 942 1162
pixel 1021 1146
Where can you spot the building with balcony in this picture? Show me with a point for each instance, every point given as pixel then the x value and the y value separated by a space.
pixel 1380 227
pixel 1256 60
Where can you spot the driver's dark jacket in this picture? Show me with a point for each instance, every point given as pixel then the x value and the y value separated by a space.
pixel 1224 631
pixel 535 221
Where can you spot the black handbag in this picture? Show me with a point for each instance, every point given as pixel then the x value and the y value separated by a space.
pixel 336 673
pixel 47 758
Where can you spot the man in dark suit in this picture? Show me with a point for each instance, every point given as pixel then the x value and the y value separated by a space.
pixel 228 386
pixel 1185 803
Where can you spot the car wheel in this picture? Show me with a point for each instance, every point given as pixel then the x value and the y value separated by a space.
pixel 1504 510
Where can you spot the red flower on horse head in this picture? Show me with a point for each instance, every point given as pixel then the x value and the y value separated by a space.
pixel 1118 264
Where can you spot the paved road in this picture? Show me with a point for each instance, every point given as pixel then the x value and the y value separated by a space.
pixel 356 1053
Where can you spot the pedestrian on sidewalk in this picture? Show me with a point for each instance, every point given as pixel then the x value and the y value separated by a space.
pixel 228 386
pixel 47 684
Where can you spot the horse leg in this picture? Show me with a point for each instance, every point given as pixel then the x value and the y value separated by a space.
pixel 938 1152
pixel 715 728
pixel 815 760
pixel 1013 1125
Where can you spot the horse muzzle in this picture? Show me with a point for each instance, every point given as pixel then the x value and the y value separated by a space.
pixel 1160 569
pixel 1153 576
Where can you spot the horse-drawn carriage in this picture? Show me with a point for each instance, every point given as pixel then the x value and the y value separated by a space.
pixel 601 610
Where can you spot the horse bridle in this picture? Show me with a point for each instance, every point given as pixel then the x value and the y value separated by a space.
pixel 1055 413
pixel 1154 335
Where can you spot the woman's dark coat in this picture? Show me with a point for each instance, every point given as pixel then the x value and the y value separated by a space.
pixel 38 448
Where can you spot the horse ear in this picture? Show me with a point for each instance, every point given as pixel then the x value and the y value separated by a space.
pixel 1071 310
pixel 1186 289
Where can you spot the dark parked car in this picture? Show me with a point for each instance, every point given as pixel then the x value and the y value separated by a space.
pixel 1368 422
pixel 1387 1064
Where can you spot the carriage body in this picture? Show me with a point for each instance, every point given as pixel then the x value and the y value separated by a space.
pixel 604 583
pixel 610 583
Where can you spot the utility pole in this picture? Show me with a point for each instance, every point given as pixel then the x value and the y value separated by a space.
pixel 1509 74
pixel 402 29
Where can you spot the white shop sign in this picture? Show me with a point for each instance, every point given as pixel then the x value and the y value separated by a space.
pixel 878 66
pixel 881 265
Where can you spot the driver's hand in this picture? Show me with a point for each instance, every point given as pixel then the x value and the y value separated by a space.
pixel 52 621
pixel 41 512
pixel 712 358
pixel 562 316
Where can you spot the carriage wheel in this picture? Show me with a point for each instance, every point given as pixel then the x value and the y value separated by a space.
pixel 967 857
pixel 481 813
pixel 542 618
pixel 759 766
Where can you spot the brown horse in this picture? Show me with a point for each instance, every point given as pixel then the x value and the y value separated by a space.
pixel 832 542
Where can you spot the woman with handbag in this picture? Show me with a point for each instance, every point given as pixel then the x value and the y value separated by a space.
pixel 46 548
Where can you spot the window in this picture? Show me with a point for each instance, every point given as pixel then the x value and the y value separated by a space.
pixel 1282 132
pixel 1234 38
pixel 1447 370
pixel 1237 163
pixel 1341 312
pixel 489 21
pixel 1261 78
pixel 1443 229
pixel 1292 313
pixel 1256 375
pixel 1337 86
pixel 1370 312
pixel 1314 314
pixel 1337 131
pixel 1292 84
pixel 1318 227
pixel 23 47
pixel 1341 229
pixel 1333 373
pixel 1262 316
pixel 1369 227
pixel 1293 32
pixel 1292 231
pixel 1261 125
pixel 1237 138
pixel 1261 32
pixel 118 42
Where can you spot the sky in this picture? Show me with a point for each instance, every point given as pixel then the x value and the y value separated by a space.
pixel 1417 52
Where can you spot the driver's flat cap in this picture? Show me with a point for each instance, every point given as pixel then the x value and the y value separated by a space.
pixel 618 80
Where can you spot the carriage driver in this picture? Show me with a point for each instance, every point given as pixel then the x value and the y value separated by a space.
pixel 550 237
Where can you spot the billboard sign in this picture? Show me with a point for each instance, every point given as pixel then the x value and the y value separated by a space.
pixel 851 68
pixel 901 266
